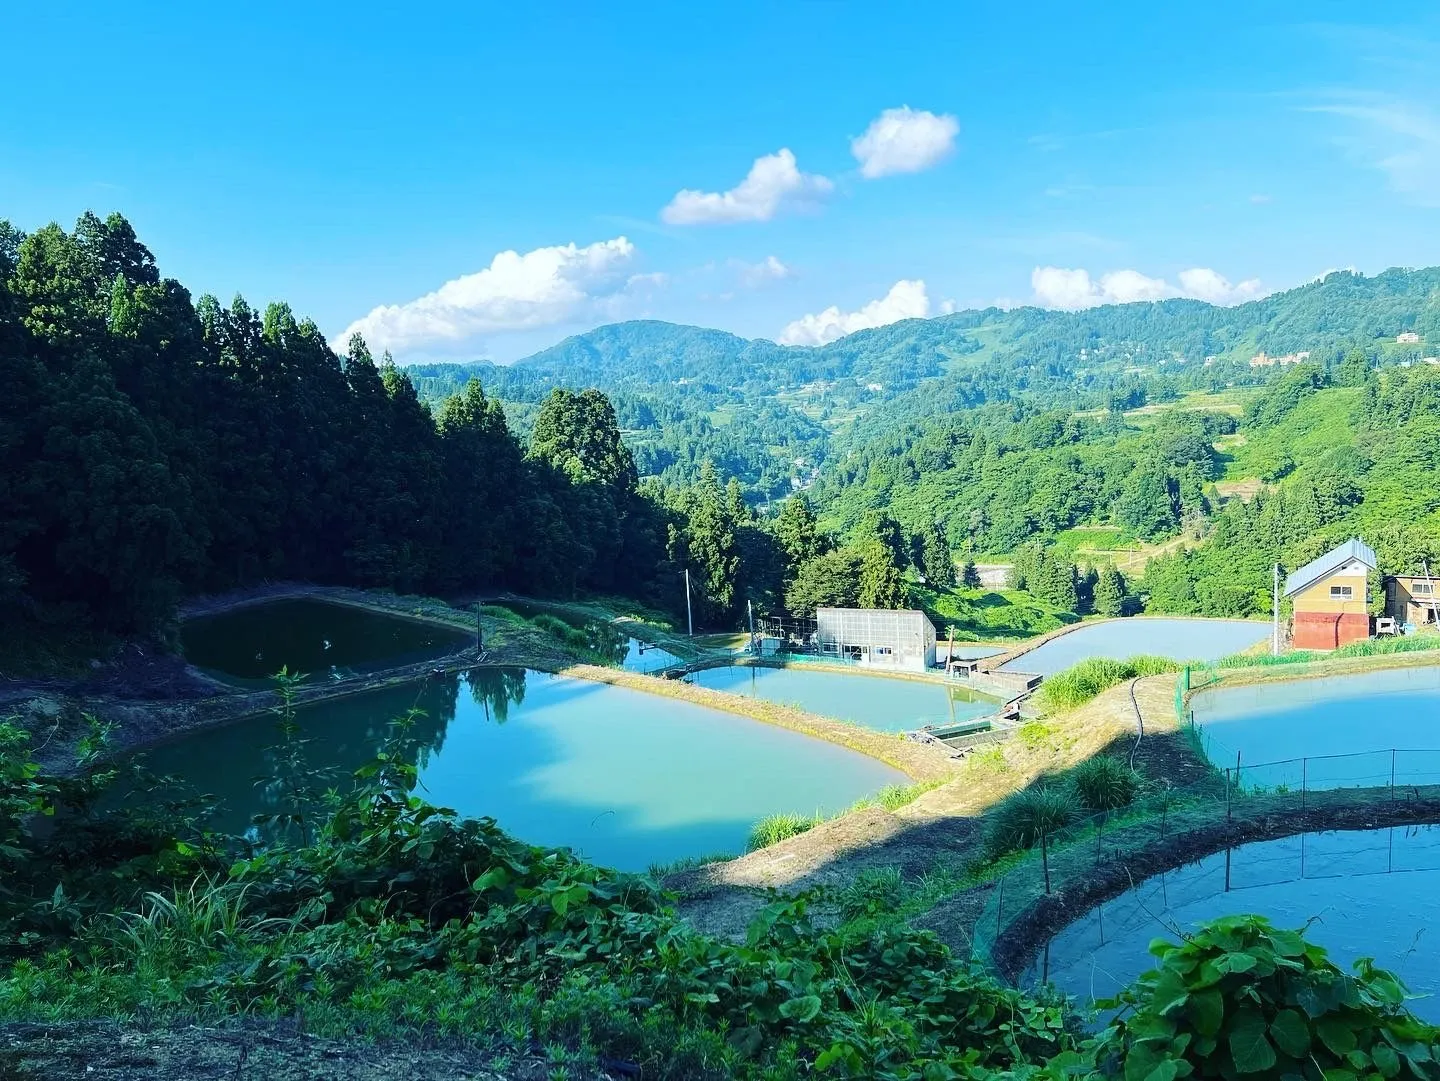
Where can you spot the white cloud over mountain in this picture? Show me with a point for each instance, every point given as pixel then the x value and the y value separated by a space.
pixel 904 140
pixel 1059 287
pixel 754 275
pixel 774 183
pixel 905 300
pixel 515 292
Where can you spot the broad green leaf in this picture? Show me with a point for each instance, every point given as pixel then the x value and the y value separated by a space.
pixel 1207 1012
pixel 805 1008
pixel 1386 1060
pixel 1249 1046
pixel 1336 1035
pixel 1290 1033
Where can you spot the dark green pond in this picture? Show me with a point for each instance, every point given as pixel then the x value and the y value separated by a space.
pixel 251 644
pixel 626 778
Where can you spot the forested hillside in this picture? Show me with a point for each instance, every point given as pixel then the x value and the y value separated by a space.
pixel 154 447
pixel 770 414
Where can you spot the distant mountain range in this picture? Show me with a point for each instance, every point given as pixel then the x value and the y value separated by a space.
pixel 713 384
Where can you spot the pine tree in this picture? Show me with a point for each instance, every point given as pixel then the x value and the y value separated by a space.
pixel 881 583
pixel 1110 592
pixel 970 575
pixel 936 562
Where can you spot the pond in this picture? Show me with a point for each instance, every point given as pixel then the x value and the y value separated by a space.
pixel 601 636
pixel 249 645
pixel 1370 892
pixel 625 778
pixel 1181 639
pixel 1327 733
pixel 884 703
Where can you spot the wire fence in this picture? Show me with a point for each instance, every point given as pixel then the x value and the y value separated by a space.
pixel 1174 818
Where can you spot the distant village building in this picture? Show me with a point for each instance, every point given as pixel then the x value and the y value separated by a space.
pixel 1409 337
pixel 1263 359
pixel 876 637
pixel 1330 597
pixel 1412 599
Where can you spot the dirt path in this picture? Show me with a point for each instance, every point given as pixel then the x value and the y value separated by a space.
pixel 108 1051
pixel 939 830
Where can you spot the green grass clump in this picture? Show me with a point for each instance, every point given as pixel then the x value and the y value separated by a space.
pixel 1083 681
pixel 1370 647
pixel 1104 784
pixel 894 796
pixel 775 828
pixel 1022 818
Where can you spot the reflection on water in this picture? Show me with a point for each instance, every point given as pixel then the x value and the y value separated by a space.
pixel 1369 892
pixel 626 778
pixel 599 636
pixel 886 704
pixel 249 645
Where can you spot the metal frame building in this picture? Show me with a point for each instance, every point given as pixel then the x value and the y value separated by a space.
pixel 876 637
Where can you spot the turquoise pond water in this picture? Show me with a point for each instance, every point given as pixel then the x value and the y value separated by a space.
pixel 626 778
pixel 883 703
pixel 1350 730
pixel 631 654
pixel 250 644
pixel 1371 894
pixel 1182 639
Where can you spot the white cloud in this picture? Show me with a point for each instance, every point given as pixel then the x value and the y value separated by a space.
pixel 904 140
pixel 515 292
pixel 906 300
pixel 754 275
pixel 1059 287
pixel 1400 138
pixel 773 183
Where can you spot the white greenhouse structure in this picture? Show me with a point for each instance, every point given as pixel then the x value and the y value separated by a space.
pixel 876 637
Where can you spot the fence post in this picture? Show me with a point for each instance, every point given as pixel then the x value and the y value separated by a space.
pixel 1304 771
pixel 1045 860
pixel 1393 752
pixel 1227 795
pixel 1000 908
pixel 1237 773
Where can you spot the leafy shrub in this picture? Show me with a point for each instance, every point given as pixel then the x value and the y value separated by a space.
pixel 873 892
pixel 1022 818
pixel 1083 681
pixel 775 828
pixel 1243 998
pixel 1104 783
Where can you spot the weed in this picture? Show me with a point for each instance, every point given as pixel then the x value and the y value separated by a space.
pixel 1103 783
pixel 1022 818
pixel 777 827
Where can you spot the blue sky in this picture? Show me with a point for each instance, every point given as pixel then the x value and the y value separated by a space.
pixel 348 158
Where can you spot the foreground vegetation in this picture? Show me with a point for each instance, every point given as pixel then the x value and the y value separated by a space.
pixel 375 915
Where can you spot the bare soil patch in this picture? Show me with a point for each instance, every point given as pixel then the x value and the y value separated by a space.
pixel 112 1051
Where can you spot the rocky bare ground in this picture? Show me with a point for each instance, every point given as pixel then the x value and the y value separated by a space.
pixel 253 1051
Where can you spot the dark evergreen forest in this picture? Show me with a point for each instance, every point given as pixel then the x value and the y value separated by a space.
pixel 156 445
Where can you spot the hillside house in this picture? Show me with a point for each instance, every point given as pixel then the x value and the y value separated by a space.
pixel 1411 598
pixel 876 637
pixel 1330 596
pixel 1409 337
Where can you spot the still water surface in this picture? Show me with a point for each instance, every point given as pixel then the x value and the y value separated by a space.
pixel 1181 639
pixel 884 703
pixel 626 778
pixel 1355 730
pixel 251 644
pixel 1370 892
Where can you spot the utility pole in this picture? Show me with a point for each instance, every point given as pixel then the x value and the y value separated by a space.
pixel 1275 616
pixel 750 613
pixel 689 616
